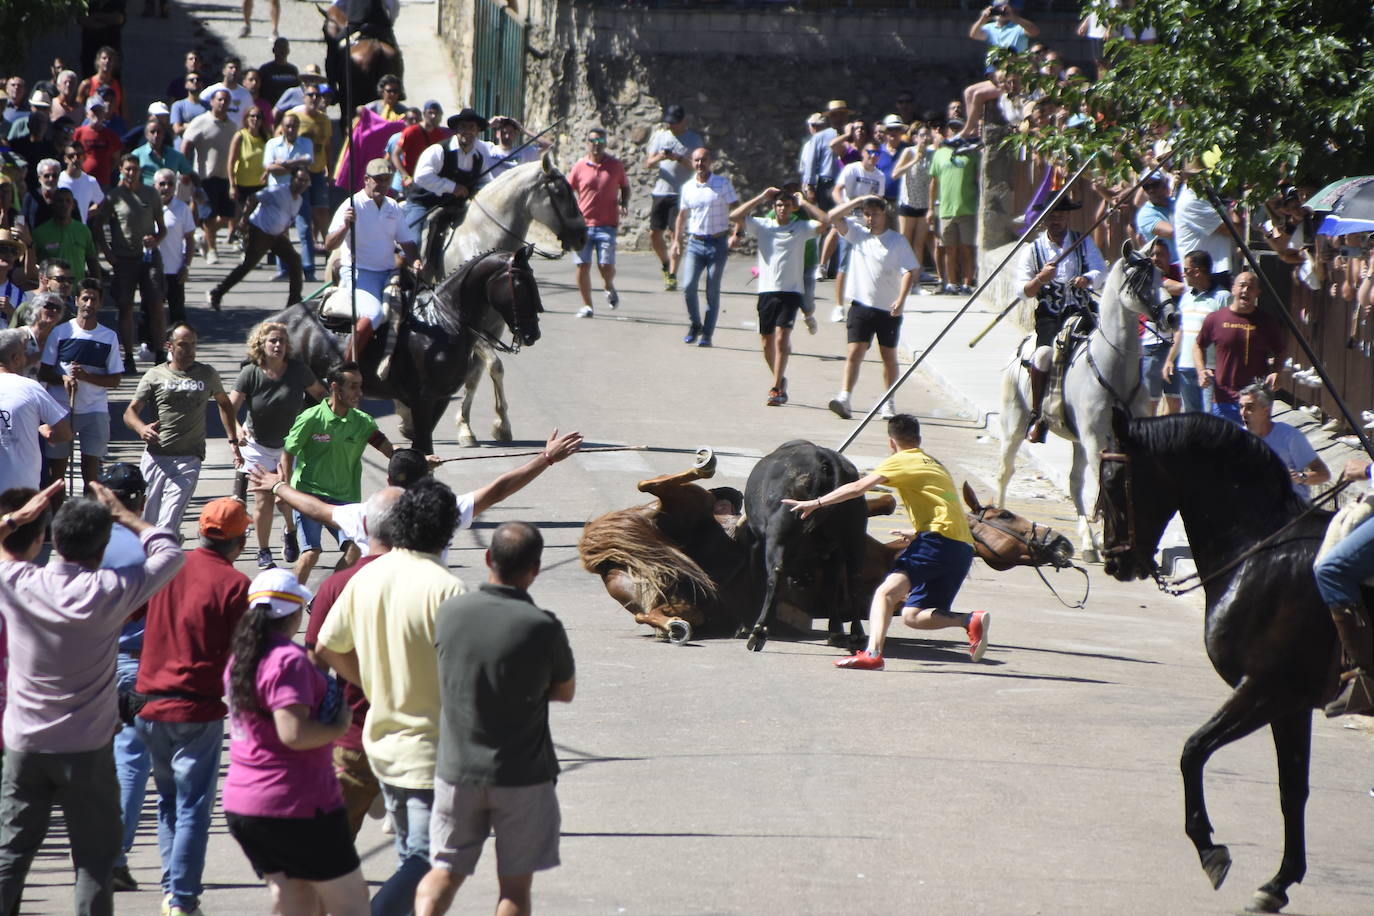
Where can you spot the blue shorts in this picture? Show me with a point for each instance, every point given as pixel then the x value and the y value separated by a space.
pixel 1152 372
pixel 312 532
pixel 600 239
pixel 936 567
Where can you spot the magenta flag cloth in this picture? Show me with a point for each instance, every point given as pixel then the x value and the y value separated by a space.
pixel 370 133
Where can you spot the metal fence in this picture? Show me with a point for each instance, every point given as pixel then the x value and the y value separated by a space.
pixel 498 61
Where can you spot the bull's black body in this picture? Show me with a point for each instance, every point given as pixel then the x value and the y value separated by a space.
pixel 821 556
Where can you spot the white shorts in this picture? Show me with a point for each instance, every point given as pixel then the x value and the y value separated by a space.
pixel 256 455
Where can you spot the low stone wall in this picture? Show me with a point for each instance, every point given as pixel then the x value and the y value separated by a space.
pixel 747 78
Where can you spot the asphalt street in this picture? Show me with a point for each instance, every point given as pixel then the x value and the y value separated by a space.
pixel 706 779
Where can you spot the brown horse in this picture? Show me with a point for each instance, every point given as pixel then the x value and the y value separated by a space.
pixel 676 566
pixel 356 58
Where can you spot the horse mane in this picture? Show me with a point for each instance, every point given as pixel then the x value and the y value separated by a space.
pixel 1235 454
pixel 448 318
pixel 499 186
pixel 629 538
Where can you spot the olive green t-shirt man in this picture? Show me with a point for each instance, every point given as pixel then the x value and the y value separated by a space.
pixel 179 397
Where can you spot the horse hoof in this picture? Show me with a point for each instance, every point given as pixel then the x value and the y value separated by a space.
pixel 705 464
pixel 1216 862
pixel 467 440
pixel 679 631
pixel 756 639
pixel 1090 555
pixel 1267 902
pixel 741 631
pixel 501 432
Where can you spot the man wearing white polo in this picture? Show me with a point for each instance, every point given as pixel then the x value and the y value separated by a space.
pixel 380 228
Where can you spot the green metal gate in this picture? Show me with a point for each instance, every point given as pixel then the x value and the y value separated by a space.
pixel 498 62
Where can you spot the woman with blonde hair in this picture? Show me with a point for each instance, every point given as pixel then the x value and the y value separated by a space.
pixel 273 385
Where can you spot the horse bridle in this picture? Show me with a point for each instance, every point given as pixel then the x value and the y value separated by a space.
pixel 547 182
pixel 1037 549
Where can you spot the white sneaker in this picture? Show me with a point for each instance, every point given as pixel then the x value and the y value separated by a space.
pixel 145 355
pixel 887 411
pixel 584 312
pixel 211 257
pixel 837 314
pixel 839 405
pixel 811 325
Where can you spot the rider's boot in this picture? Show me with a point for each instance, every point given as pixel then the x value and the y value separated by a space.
pixel 1035 432
pixel 1357 653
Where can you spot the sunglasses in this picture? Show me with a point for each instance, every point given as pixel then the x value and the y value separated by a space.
pixel 63 278
pixel 597 140
pixel 49 307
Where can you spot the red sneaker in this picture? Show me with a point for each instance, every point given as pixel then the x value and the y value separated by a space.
pixel 862 661
pixel 979 624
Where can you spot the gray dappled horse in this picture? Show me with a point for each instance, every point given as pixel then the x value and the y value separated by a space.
pixel 1104 372
pixel 499 217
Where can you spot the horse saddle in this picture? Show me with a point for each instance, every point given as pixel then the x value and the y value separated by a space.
pixel 440 223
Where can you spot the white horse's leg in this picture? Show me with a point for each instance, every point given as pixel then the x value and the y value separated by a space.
pixel 500 427
pixel 1015 416
pixel 1077 473
pixel 477 365
pixel 1093 441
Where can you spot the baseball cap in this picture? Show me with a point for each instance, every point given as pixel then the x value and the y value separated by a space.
pixel 433 105
pixel 279 591
pixel 123 478
pixel 378 167
pixel 95 102
pixel 159 109
pixel 223 519
pixel 673 114
pixel 817 117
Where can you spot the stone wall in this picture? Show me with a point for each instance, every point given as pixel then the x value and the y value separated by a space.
pixel 747 78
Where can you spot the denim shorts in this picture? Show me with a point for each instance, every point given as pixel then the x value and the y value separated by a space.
pixel 311 531
pixel 601 240
pixel 1152 372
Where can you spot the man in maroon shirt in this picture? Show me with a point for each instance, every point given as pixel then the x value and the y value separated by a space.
pixel 603 196
pixel 1249 347
pixel 359 784
pixel 186 645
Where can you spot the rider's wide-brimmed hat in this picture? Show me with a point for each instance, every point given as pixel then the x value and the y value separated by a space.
pixel 835 106
pixel 1064 205
pixel 467 114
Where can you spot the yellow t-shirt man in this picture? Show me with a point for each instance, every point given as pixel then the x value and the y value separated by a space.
pixel 387 614
pixel 319 129
pixel 927 492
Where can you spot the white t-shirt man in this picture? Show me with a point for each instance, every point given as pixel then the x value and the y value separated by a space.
pixel 1193 309
pixel 1197 225
pixel 96 351
pixel 24 406
pixel 782 251
pixel 176 216
pixel 240 100
pixel 876 265
pixel 858 181
pixel 85 191
pixel 378 229
pixel 351 520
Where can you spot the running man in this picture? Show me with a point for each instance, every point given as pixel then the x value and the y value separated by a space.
pixel 931 569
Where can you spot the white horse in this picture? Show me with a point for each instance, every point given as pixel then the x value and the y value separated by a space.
pixel 499 216
pixel 1103 372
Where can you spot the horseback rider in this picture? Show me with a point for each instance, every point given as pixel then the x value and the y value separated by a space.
pixel 379 229
pixel 373 18
pixel 1061 286
pixel 447 174
pixel 1339 575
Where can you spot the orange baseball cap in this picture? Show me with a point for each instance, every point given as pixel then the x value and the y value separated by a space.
pixel 223 519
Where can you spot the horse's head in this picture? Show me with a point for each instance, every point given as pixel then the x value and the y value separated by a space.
pixel 1136 280
pixel 554 204
pixel 1134 501
pixel 1004 539
pixel 513 292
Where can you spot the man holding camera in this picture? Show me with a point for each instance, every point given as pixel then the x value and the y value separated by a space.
pixel 781 268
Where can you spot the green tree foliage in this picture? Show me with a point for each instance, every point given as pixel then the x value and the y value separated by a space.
pixel 23 21
pixel 1284 88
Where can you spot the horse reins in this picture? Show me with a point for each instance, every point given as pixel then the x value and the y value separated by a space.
pixel 1036 550
pixel 1172 587
pixel 562 225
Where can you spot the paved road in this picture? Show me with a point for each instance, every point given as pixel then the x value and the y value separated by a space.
pixel 706 779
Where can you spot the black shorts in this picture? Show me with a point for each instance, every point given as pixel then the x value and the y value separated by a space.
pixel 778 310
pixel 318 848
pixel 825 193
pixel 913 212
pixel 1046 330
pixel 663 213
pixel 864 322
pixel 217 196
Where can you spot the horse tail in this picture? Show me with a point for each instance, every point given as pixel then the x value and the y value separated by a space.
pixel 628 538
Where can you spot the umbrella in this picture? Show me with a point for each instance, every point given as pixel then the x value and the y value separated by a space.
pixel 1332 195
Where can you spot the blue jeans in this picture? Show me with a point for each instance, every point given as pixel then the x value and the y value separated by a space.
pixel 409 810
pixel 1196 399
pixel 1345 566
pixel 132 765
pixel 1229 412
pixel 185 759
pixel 304 228
pixel 704 255
pixel 414 215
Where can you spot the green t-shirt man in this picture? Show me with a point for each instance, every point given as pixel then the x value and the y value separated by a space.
pixel 72 243
pixel 328 451
pixel 957 174
pixel 179 398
